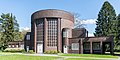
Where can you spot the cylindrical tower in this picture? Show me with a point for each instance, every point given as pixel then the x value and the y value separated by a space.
pixel 46 29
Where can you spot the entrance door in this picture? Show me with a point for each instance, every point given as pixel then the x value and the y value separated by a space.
pixel 39 48
pixel 27 47
pixel 65 49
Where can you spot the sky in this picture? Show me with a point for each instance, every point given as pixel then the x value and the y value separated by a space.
pixel 87 10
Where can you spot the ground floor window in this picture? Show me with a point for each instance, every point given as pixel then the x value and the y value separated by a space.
pixel 86 46
pixel 96 45
pixel 75 46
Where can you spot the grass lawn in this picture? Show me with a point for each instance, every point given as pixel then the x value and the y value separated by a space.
pixel 24 57
pixel 8 56
pixel 91 55
pixel 79 59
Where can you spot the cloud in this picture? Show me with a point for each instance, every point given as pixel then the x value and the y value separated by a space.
pixel 24 28
pixel 90 35
pixel 87 21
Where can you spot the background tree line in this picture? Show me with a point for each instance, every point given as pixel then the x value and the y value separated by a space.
pixel 108 23
pixel 9 30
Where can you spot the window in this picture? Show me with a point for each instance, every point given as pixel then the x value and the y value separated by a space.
pixel 40 29
pixel 75 46
pixel 28 37
pixel 86 46
pixel 52 32
pixel 9 46
pixel 13 46
pixel 16 46
pixel 22 46
pixel 64 33
pixel 96 45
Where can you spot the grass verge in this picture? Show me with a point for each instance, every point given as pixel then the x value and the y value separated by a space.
pixel 24 57
pixel 90 55
pixel 78 59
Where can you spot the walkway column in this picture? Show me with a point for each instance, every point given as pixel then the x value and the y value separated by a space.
pixel 111 48
pixel 91 50
pixel 81 46
pixel 101 44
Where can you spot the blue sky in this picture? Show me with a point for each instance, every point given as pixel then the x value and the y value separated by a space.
pixel 87 9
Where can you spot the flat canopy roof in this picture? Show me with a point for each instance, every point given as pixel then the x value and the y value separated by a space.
pixel 95 39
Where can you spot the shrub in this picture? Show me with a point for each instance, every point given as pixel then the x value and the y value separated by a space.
pixel 50 52
pixel 23 51
pixel 13 50
pixel 31 51
pixel 59 51
pixel 55 52
pixel 46 52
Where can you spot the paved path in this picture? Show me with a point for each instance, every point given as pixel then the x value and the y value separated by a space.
pixel 61 57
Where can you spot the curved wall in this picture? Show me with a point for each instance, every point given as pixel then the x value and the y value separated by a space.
pixel 53 13
pixel 64 20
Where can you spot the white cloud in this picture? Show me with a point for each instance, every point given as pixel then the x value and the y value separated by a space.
pixel 24 28
pixel 90 35
pixel 89 21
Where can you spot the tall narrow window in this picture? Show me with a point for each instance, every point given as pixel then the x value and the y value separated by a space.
pixel 40 29
pixel 52 31
pixel 28 37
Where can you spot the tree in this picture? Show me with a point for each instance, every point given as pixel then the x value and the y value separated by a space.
pixel 78 22
pixel 105 21
pixel 9 26
pixel 117 39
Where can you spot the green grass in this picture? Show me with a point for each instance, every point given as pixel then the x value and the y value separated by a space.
pixel 78 59
pixel 9 56
pixel 23 57
pixel 91 55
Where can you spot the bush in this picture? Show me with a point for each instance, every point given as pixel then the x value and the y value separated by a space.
pixel 55 52
pixel 14 50
pixel 23 51
pixel 31 51
pixel 52 52
pixel 59 51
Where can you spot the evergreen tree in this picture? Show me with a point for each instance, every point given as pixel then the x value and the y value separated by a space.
pixel 9 27
pixel 106 17
pixel 117 39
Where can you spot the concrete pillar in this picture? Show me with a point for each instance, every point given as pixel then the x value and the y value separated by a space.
pixel 101 46
pixel 112 48
pixel 45 35
pixel 81 46
pixel 91 50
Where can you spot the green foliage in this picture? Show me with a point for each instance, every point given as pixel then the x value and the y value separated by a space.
pixel 117 37
pixel 14 50
pixel 108 24
pixel 105 21
pixel 59 51
pixel 9 29
pixel 31 52
pixel 51 52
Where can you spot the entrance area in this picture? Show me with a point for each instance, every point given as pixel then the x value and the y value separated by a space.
pixel 39 48
pixel 65 49
pixel 107 48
